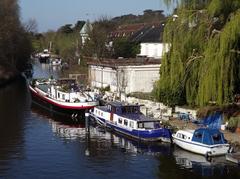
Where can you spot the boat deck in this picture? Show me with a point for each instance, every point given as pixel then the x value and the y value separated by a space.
pixel 43 87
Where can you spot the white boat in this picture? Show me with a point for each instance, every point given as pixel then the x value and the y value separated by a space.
pixel 204 141
pixel 127 119
pixel 44 56
pixel 56 62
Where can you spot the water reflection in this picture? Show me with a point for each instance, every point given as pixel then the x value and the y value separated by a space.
pixel 14 108
pixel 99 136
pixel 44 70
pixel 200 164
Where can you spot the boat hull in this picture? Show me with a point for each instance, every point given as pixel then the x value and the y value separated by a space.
pixel 199 148
pixel 161 134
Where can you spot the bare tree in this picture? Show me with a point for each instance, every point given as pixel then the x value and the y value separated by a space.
pixel 31 26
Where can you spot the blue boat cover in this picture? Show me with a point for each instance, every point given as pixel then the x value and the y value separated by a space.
pixel 213 121
pixel 208 136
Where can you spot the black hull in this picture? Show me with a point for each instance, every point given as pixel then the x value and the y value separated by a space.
pixel 43 59
pixel 60 114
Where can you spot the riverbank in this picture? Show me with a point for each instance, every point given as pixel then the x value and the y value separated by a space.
pixel 232 138
pixel 8 75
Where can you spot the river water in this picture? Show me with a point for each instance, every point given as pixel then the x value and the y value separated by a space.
pixel 34 145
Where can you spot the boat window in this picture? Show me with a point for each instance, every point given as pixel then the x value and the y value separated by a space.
pixel 135 109
pixel 63 96
pixel 118 110
pixel 216 138
pixel 58 95
pixel 149 125
pixel 123 110
pixel 101 114
pixel 131 109
pixel 119 120
pixel 198 135
pixel 184 136
pixel 140 125
pixel 181 136
pixel 125 122
pixel 113 109
pixel 131 124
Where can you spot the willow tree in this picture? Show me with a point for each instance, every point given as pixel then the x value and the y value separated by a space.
pixel 202 65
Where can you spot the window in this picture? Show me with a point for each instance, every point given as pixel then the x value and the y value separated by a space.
pixel 58 95
pixel 114 109
pixel 125 122
pixel 63 96
pixel 119 120
pixel 216 138
pixel 140 125
pixel 101 114
pixel 135 109
pixel 123 110
pixel 182 136
pixel 131 124
pixel 198 135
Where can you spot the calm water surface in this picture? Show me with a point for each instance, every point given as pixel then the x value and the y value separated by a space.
pixel 34 145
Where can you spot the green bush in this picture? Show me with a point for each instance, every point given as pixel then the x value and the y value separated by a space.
pixel 140 95
pixel 107 88
pixel 233 123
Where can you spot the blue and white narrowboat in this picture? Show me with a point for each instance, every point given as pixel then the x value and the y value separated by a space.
pixel 128 120
pixel 204 141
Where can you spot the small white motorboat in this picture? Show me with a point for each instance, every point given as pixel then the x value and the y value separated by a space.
pixel 56 62
pixel 204 141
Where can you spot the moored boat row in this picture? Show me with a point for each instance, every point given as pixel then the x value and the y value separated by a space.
pixel 65 98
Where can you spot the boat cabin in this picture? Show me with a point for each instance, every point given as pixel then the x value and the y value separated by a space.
pixel 208 136
pixel 120 108
pixel 127 116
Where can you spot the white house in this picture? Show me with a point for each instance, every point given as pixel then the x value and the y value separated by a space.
pixel 151 41
pixel 124 77
pixel 153 49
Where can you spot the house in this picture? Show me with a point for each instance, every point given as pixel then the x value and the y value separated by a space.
pixel 124 75
pixel 125 31
pixel 148 35
pixel 84 32
pixel 151 41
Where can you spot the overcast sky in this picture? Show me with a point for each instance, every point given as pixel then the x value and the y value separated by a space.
pixel 51 14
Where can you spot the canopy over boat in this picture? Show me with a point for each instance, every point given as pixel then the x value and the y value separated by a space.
pixel 208 136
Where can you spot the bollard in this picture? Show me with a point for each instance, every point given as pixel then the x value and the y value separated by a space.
pixel 87 121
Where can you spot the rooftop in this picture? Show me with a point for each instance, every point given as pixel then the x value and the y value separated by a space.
pixel 124 62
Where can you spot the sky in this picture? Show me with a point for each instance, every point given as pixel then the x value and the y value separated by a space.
pixel 51 14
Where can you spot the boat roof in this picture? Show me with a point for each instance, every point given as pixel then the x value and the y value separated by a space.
pixel 133 116
pixel 119 104
pixel 208 136
pixel 186 131
pixel 210 131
